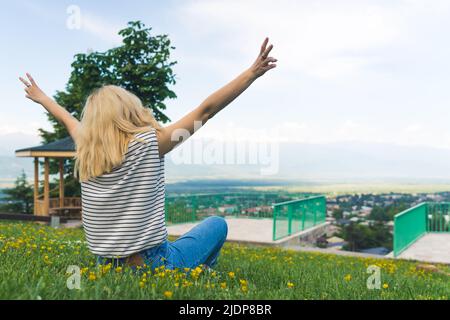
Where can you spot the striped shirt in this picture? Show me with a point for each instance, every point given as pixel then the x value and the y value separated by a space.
pixel 123 210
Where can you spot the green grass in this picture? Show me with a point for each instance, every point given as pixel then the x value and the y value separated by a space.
pixel 34 259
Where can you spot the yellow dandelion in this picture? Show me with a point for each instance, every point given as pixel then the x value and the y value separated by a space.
pixel 231 274
pixel 348 277
pixel 92 276
pixel 168 294
pixel 141 284
pixel 223 285
pixel 290 285
pixel 119 270
pixel 385 286
pixel 84 270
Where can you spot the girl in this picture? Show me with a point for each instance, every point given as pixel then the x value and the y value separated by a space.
pixel 119 161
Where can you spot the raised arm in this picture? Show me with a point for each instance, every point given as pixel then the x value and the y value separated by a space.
pixel 172 135
pixel 35 94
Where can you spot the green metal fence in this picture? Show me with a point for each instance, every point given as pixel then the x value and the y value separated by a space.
pixel 438 217
pixel 195 207
pixel 413 223
pixel 409 226
pixel 297 215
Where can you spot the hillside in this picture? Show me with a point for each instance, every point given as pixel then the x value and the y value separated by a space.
pixel 35 259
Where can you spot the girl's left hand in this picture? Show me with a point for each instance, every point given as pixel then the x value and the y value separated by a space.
pixel 263 63
pixel 33 91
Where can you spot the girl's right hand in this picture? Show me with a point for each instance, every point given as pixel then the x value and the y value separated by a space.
pixel 34 93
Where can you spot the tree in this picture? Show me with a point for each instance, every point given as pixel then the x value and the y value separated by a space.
pixel 20 197
pixel 338 213
pixel 387 213
pixel 141 65
pixel 359 237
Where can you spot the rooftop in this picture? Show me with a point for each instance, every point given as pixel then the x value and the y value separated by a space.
pixel 63 147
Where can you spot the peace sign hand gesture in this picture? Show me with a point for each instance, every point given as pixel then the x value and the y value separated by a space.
pixel 33 91
pixel 263 62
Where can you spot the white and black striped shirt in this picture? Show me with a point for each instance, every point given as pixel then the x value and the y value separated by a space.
pixel 123 210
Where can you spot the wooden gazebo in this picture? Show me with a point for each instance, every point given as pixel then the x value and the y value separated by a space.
pixel 43 204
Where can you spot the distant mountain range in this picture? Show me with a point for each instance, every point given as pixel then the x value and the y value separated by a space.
pixel 297 162
pixel 336 161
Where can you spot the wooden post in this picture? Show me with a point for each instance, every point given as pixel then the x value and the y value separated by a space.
pixel 61 182
pixel 46 187
pixel 36 184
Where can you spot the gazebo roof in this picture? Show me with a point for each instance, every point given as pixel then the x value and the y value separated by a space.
pixel 61 148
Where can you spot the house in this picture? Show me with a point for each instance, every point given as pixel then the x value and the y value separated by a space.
pixel 227 209
pixel 343 222
pixel 346 214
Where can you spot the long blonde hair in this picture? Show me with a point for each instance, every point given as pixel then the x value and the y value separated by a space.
pixel 109 120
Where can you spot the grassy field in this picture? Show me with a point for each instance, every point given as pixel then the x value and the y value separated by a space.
pixel 34 261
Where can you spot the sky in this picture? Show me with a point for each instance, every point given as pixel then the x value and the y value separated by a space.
pixel 360 71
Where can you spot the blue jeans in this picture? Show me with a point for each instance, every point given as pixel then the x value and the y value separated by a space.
pixel 201 245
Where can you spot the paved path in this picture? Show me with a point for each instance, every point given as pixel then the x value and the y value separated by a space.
pixel 243 230
pixel 432 247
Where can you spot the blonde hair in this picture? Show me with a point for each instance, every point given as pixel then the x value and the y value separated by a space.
pixel 109 120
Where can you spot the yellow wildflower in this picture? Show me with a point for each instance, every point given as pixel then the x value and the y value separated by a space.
pixel 168 294
pixel 92 276
pixel 84 270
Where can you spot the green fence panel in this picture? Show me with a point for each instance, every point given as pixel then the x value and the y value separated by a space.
pixel 185 208
pixel 438 217
pixel 409 225
pixel 297 215
pixel 288 217
pixel 280 222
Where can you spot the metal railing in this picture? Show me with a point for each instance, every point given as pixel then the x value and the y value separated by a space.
pixel 413 223
pixel 438 217
pixel 297 215
pixel 192 208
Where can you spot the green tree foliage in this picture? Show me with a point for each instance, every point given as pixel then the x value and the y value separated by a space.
pixel 338 213
pixel 20 197
pixel 140 64
pixel 387 213
pixel 359 237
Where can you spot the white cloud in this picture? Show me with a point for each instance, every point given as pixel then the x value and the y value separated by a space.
pixel 30 128
pixel 90 23
pixel 322 39
pixel 318 133
pixel 100 28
